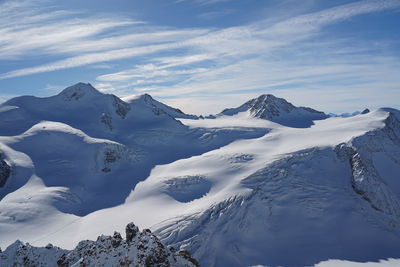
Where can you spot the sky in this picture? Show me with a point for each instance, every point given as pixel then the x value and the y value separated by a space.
pixel 206 55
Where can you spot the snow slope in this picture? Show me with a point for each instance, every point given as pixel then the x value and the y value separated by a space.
pixel 236 190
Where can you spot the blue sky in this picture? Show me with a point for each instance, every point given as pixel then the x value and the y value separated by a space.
pixel 205 55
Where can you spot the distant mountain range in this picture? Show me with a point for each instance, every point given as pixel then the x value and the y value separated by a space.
pixel 266 183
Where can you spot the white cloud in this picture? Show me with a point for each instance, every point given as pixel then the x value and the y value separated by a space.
pixel 87 59
pixel 203 2
pixel 215 14
pixel 161 67
pixel 314 21
pixel 233 42
pixel 277 57
pixel 27 26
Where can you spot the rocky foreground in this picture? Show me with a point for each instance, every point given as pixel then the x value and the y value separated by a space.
pixel 138 249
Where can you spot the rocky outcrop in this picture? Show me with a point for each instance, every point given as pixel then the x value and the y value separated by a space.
pixel 366 179
pixel 139 249
pixel 131 230
pixel 159 108
pixel 5 171
pixel 367 182
pixel 110 155
pixel 365 111
pixel 106 119
pixel 121 108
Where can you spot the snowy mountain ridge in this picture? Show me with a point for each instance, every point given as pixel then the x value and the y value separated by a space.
pixel 267 183
pixel 160 107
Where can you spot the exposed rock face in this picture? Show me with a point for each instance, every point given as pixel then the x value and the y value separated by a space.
pixel 121 108
pixel 366 179
pixel 5 171
pixel 367 182
pixel 140 249
pixel 107 121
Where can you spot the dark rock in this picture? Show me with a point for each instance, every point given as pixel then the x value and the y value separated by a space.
pixel 107 121
pixel 110 156
pixel 106 169
pixel 131 230
pixel 143 249
pixel 5 171
pixel 186 255
pixel 121 108
pixel 62 261
pixel 365 111
pixel 116 239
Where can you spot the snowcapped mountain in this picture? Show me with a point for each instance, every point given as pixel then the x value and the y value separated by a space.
pixel 83 107
pixel 88 143
pixel 269 107
pixel 159 107
pixel 256 185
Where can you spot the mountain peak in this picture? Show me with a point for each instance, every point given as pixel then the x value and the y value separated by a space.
pixel 79 90
pixel 143 97
pixel 270 107
pixel 146 98
pixel 267 97
pixel 159 107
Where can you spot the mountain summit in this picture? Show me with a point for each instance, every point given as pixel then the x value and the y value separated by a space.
pixel 79 90
pixel 269 107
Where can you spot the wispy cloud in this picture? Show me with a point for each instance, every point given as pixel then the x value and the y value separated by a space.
pixel 280 59
pixel 278 56
pixel 314 21
pixel 203 2
pixel 163 67
pixel 215 14
pixel 235 41
pixel 27 27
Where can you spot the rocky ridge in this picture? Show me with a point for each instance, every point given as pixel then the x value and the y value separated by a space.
pixel 139 248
